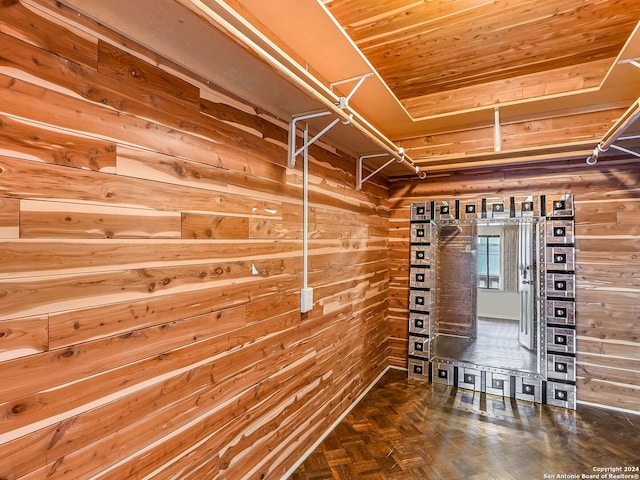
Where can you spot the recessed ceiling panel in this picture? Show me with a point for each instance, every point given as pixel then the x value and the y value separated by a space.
pixel 441 55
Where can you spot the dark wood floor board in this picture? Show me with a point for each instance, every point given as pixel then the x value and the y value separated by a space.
pixel 406 429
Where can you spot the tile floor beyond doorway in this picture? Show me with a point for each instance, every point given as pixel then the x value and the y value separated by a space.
pixel 406 429
pixel 496 345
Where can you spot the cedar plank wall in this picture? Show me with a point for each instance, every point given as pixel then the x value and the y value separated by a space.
pixel 607 215
pixel 151 265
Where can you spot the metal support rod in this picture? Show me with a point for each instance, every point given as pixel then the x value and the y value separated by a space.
pixel 382 167
pixel 308 142
pixel 615 133
pixel 360 181
pixel 632 61
pixel 626 150
pixel 497 143
pixel 630 137
pixel 352 79
pixel 344 101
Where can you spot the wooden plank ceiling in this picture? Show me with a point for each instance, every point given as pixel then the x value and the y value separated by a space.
pixel 446 49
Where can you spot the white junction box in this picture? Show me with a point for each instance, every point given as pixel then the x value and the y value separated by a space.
pixel 306 299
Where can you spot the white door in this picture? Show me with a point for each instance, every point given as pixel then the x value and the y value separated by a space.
pixel 526 287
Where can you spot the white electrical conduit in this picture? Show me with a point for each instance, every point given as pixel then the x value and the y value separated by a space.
pixel 293 153
pixel 305 212
pixel 235 26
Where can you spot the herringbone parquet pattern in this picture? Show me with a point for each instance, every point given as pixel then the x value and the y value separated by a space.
pixel 405 429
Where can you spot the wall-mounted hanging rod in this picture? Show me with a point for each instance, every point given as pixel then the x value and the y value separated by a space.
pixel 615 133
pixel 222 17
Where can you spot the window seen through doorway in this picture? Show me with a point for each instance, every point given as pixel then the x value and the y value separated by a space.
pixel 489 261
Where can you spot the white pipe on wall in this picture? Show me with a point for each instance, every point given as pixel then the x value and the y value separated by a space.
pixel 305 212
pixel 306 294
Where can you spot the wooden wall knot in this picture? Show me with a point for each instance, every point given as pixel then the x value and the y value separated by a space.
pixel 60 431
pixel 19 408
pixel 36 62
pixel 179 169
pixel 67 354
pixel 5 4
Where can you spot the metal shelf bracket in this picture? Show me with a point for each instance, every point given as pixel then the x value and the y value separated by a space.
pixel 343 103
pixel 359 171
pixel 632 61
pixel 359 79
pixel 307 142
pixel 615 133
pixel 397 153
pixel 593 158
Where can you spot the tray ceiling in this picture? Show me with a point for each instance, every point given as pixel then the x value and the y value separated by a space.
pixel 430 51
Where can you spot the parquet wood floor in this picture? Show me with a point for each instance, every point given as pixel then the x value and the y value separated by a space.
pixel 405 430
